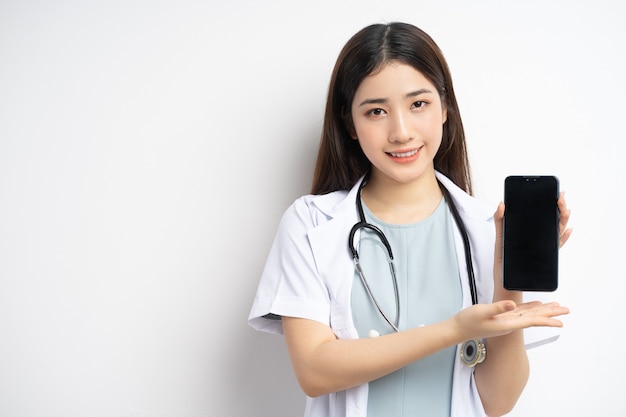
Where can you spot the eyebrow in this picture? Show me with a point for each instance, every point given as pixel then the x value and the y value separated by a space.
pixel 384 100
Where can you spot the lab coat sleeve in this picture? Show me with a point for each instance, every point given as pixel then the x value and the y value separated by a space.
pixel 290 284
pixel 538 336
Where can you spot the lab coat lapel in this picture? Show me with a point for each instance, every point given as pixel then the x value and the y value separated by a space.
pixel 329 244
pixel 477 218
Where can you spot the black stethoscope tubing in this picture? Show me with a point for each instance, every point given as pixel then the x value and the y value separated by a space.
pixel 362 223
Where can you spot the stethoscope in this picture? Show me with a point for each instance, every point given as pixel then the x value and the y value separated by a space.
pixel 472 351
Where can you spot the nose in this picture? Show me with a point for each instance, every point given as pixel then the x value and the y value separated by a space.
pixel 400 129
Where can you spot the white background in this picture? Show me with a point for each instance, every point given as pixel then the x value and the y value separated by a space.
pixel 148 149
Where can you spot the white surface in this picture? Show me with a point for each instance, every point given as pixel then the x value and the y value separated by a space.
pixel 148 149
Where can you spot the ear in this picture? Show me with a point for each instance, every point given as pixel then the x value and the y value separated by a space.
pixel 347 121
pixel 351 131
pixel 444 115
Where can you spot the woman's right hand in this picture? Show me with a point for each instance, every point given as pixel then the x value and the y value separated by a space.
pixel 503 317
pixel 323 363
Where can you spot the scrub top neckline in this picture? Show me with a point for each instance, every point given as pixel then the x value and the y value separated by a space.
pixel 370 216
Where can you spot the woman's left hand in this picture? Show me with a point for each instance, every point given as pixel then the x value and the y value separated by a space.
pixel 564 232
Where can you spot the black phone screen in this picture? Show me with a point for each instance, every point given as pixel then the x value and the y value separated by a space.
pixel 531 233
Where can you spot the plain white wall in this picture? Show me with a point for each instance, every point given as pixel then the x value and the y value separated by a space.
pixel 148 149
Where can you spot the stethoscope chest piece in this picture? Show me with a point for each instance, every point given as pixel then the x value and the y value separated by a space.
pixel 473 352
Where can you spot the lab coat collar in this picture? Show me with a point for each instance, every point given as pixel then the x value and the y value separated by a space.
pixel 468 206
pixel 334 203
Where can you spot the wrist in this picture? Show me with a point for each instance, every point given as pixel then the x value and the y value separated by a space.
pixel 500 293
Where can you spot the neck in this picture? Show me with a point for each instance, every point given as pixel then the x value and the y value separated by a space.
pixel 402 203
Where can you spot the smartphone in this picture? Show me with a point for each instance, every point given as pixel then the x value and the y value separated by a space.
pixel 531 233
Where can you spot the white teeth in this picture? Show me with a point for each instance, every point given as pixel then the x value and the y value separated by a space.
pixel 403 154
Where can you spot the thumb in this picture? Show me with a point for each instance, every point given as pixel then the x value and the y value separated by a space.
pixel 500 307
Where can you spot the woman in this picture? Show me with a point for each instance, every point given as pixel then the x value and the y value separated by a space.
pixel 393 155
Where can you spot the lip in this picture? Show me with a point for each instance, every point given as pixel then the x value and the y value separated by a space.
pixel 405 156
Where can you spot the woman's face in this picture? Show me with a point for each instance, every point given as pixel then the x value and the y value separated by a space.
pixel 398 120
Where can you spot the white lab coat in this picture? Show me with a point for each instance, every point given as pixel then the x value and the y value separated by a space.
pixel 310 271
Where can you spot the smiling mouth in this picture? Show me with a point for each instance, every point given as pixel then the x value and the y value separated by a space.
pixel 403 154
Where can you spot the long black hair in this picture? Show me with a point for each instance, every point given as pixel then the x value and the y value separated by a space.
pixel 340 160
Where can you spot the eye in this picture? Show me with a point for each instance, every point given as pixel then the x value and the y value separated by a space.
pixel 376 112
pixel 418 104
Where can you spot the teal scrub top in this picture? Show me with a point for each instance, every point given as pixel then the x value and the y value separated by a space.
pixel 430 292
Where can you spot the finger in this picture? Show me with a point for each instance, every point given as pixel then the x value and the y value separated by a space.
pixel 564 237
pixel 545 320
pixel 525 309
pixel 529 309
pixel 561 201
pixel 539 310
pixel 564 212
pixel 528 305
pixel 501 307
pixel 564 216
